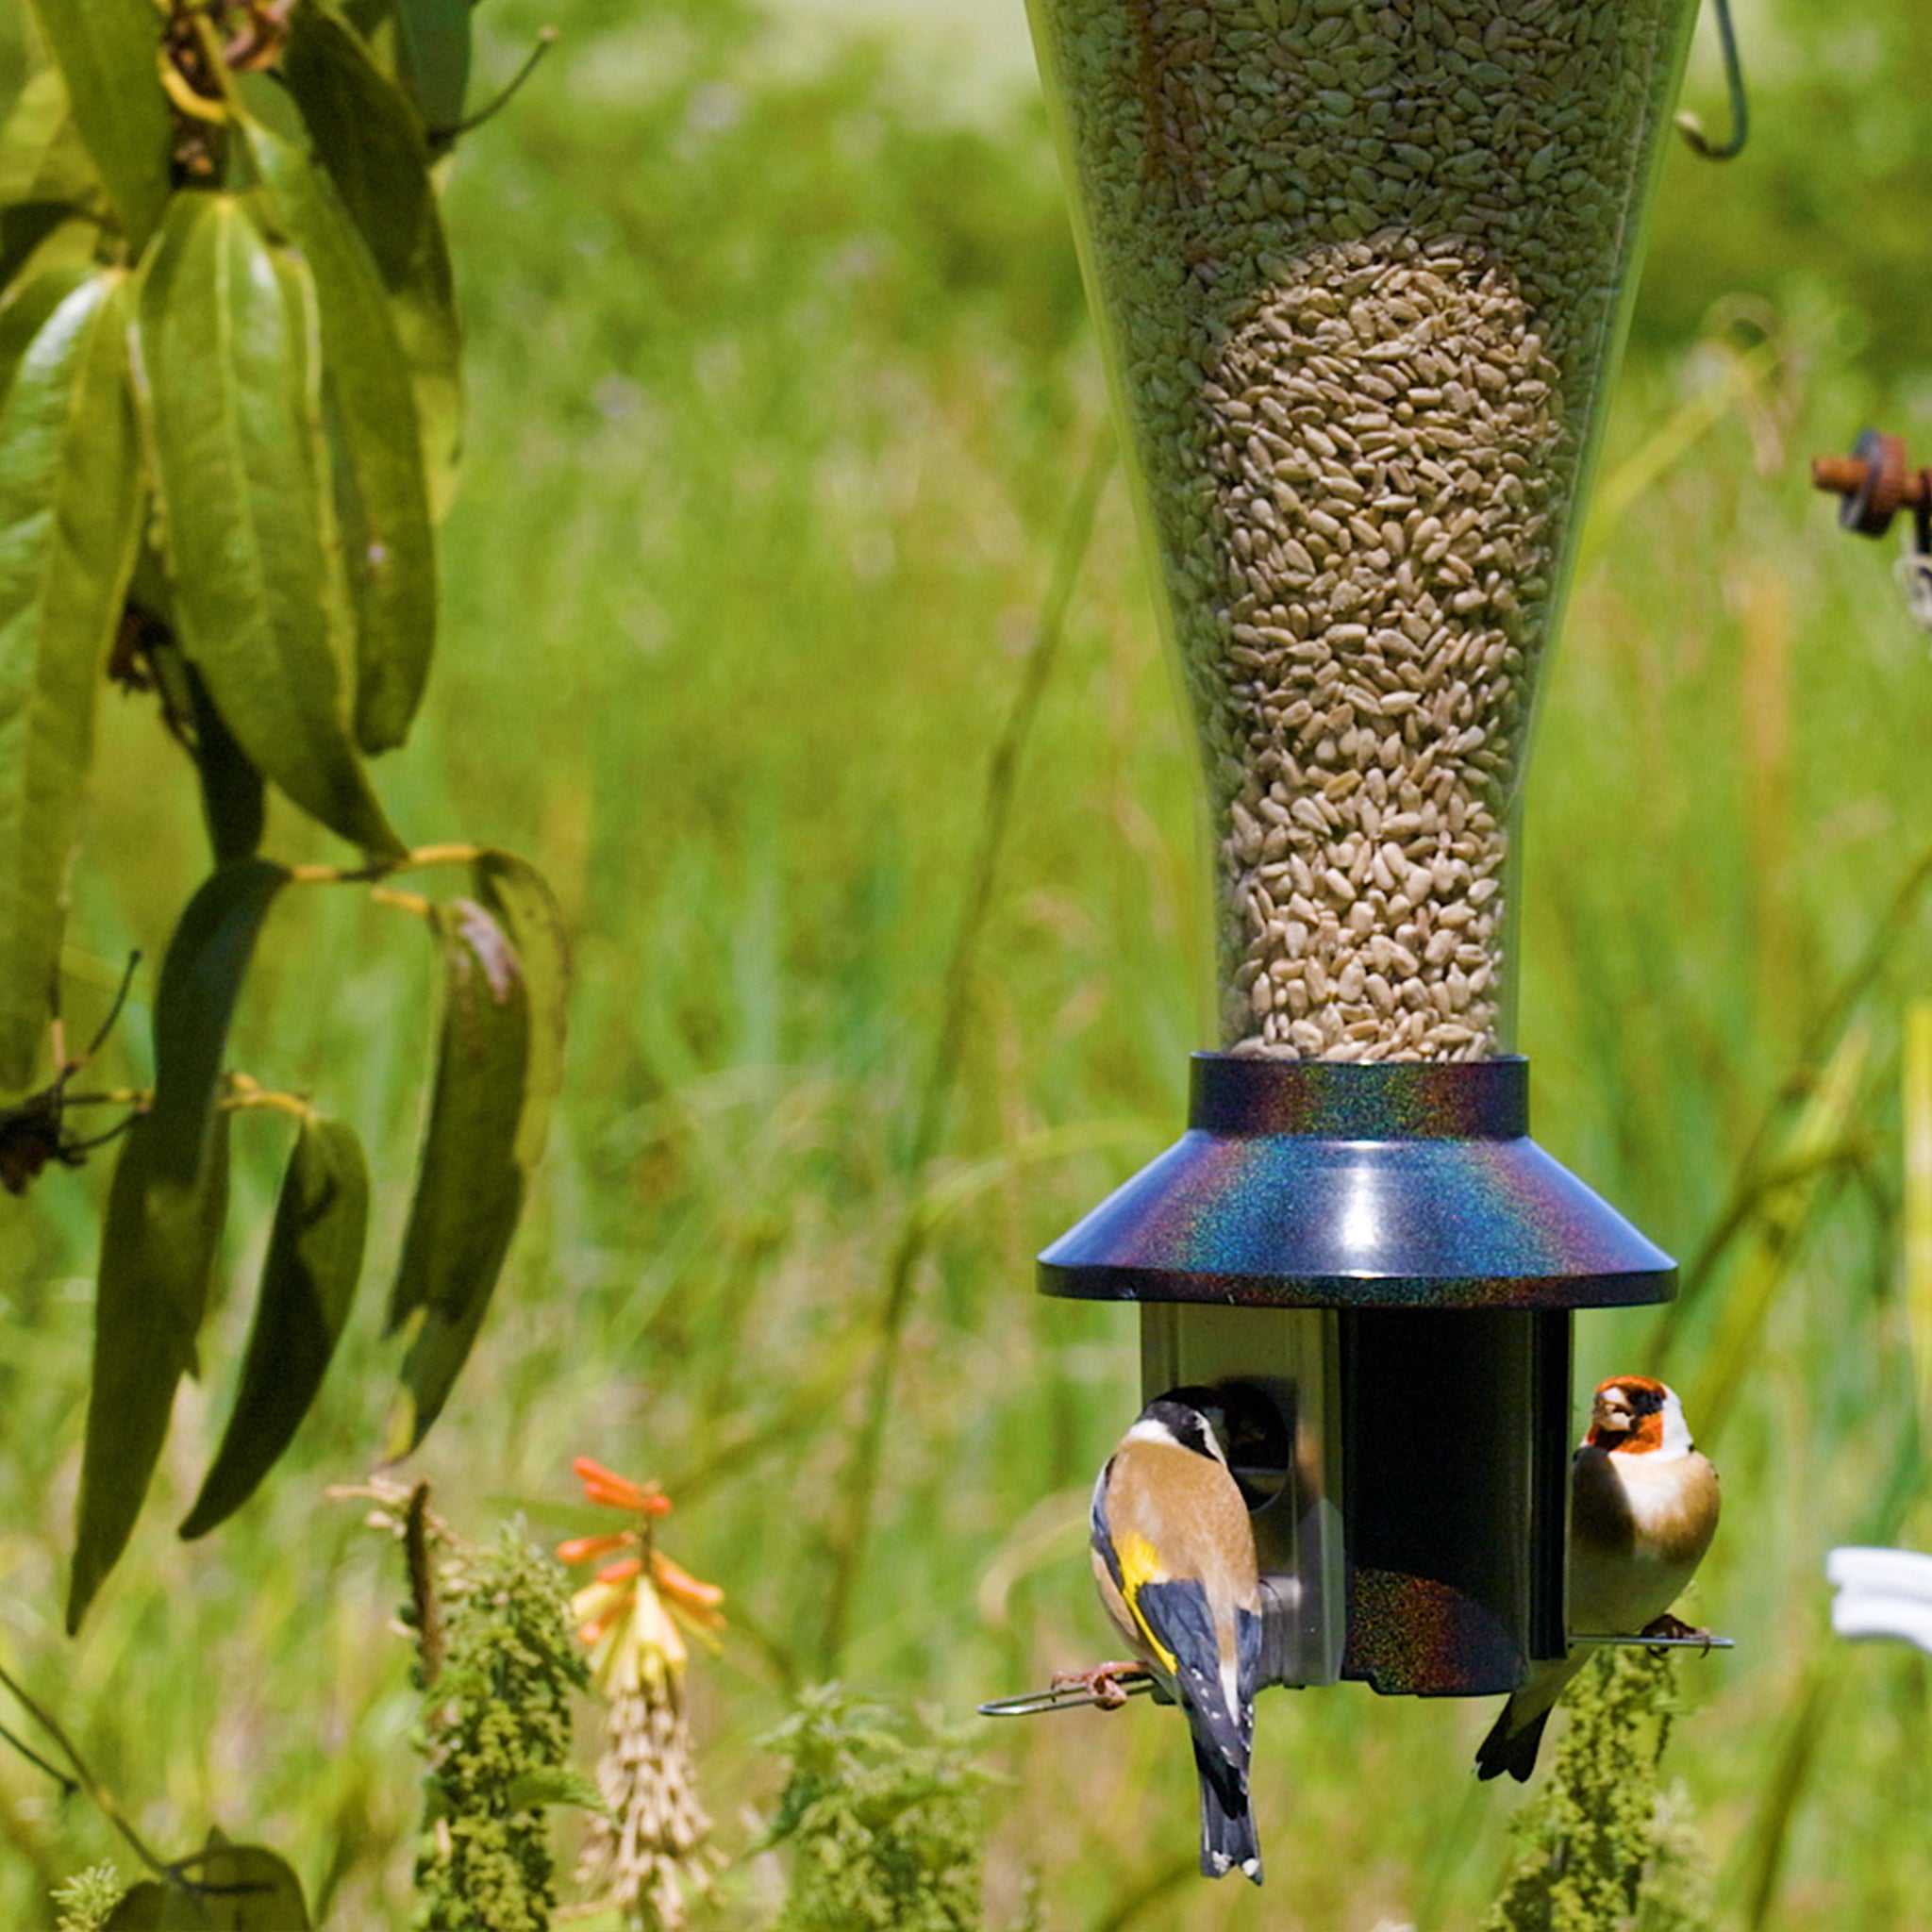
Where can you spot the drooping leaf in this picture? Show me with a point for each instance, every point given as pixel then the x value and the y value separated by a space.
pixel 36 235
pixel 231 389
pixel 201 977
pixel 370 412
pixel 236 1889
pixel 434 37
pixel 432 341
pixel 308 1282
pixel 42 156
pixel 156 1250
pixel 233 803
pixel 70 503
pixel 525 908
pixel 140 1909
pixel 368 137
pixel 367 134
pixel 108 52
pixel 470 1188
pixel 47 178
pixel 25 310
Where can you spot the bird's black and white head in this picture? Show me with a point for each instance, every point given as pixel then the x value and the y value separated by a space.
pixel 1186 1418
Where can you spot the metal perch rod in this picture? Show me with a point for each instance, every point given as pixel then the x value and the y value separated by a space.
pixel 1075 1696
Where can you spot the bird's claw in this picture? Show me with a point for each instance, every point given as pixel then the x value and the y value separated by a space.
pixel 1676 1628
pixel 1101 1683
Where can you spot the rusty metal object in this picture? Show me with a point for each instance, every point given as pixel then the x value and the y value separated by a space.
pixel 1874 483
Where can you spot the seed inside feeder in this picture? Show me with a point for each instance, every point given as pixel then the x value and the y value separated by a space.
pixel 1357 268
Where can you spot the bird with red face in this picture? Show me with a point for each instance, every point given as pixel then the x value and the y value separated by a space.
pixel 1643 1507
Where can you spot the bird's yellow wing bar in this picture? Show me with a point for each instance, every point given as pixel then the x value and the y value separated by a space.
pixel 1139 1566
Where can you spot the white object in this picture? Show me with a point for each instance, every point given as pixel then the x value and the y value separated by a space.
pixel 1882 1592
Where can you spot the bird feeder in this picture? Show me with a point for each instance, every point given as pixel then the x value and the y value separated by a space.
pixel 1360 272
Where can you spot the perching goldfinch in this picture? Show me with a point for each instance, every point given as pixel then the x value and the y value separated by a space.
pixel 1173 1554
pixel 1643 1505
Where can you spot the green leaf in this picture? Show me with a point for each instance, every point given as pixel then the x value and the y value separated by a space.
pixel 370 411
pixel 231 391
pixel 140 1909
pixel 521 900
pixel 308 1282
pixel 42 156
pixel 370 138
pixel 432 341
pixel 47 178
pixel 233 803
pixel 470 1188
pixel 70 517
pixel 37 235
pixel 367 134
pixel 27 309
pixel 236 1889
pixel 109 53
pixel 157 1251
pixel 201 977
pixel 435 58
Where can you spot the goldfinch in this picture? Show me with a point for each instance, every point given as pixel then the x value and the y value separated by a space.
pixel 1643 1506
pixel 1174 1555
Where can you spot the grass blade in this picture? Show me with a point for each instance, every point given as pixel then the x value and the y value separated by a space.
pixel 1917 1127
pixel 1784 1215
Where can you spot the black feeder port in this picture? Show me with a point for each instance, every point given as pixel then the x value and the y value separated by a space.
pixel 1378 1267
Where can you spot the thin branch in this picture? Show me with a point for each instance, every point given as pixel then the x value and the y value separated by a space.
pixel 68 1786
pixel 245 1091
pixel 103 1798
pixel 546 39
pixel 70 1067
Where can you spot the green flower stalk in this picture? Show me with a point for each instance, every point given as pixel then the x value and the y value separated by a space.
pixel 1604 1847
pixel 496 1732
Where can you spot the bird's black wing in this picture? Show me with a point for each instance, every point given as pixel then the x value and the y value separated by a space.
pixel 1178 1614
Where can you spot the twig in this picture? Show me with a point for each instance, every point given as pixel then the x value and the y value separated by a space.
pixel 83 1773
pixel 429 1646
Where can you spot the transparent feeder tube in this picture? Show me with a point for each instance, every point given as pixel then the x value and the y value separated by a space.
pixel 1359 273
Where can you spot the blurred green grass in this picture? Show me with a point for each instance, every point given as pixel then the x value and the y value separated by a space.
pixel 780 389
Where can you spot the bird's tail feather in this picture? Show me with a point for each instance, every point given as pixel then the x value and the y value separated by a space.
pixel 1512 1751
pixel 1227 1826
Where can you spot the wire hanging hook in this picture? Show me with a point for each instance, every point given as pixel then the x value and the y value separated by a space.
pixel 1692 128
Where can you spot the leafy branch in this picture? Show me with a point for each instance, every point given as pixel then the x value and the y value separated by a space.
pixel 230 399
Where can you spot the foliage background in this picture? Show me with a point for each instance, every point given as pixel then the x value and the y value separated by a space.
pixel 781 385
